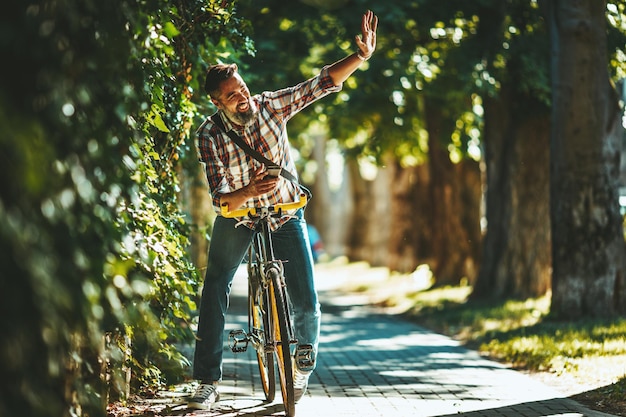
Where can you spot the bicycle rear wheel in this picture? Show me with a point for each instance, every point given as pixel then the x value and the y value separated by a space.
pixel 265 358
pixel 282 337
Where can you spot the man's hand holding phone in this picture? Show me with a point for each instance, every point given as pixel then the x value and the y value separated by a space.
pixel 262 181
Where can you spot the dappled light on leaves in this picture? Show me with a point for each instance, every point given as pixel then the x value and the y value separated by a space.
pixel 95 119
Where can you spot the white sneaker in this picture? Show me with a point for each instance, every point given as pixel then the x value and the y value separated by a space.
pixel 205 396
pixel 300 383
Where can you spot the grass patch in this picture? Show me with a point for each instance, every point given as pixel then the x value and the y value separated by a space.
pixel 517 332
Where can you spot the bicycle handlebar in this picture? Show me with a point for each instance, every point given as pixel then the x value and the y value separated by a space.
pixel 263 211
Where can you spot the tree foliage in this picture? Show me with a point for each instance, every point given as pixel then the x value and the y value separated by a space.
pixel 95 111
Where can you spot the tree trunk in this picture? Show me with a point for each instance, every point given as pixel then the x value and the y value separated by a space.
pixel 371 221
pixel 329 208
pixel 588 242
pixel 516 255
pixel 410 231
pixel 454 241
pixel 468 174
pixel 197 202
pixel 317 209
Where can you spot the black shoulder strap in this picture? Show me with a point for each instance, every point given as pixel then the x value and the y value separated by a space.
pixel 250 151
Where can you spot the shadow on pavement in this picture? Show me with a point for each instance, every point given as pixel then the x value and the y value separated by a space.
pixel 372 364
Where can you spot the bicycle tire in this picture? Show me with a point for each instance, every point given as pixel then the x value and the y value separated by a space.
pixel 265 358
pixel 283 341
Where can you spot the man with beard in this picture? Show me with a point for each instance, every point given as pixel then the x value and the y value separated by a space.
pixel 238 180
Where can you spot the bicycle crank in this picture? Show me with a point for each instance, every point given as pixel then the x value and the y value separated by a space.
pixel 238 341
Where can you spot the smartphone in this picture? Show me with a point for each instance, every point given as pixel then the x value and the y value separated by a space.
pixel 273 172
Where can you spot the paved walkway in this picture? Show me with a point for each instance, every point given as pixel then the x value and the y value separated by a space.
pixel 373 365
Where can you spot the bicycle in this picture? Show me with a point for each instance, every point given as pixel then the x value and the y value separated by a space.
pixel 270 327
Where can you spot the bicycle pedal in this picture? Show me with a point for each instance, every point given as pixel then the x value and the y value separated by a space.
pixel 305 356
pixel 238 341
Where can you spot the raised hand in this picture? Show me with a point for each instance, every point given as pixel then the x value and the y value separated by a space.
pixel 367 40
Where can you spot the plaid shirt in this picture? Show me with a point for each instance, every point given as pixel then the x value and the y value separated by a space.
pixel 229 168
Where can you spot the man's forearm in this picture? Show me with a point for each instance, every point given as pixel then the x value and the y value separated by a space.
pixel 237 198
pixel 344 68
pixel 260 183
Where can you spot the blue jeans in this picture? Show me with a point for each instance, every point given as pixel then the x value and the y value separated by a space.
pixel 227 249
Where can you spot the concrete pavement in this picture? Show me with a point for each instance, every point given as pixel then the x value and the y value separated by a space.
pixel 372 365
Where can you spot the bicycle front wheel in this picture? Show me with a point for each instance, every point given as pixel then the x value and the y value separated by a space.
pixel 265 357
pixel 282 337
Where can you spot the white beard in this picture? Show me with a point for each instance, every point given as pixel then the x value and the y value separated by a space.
pixel 245 118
